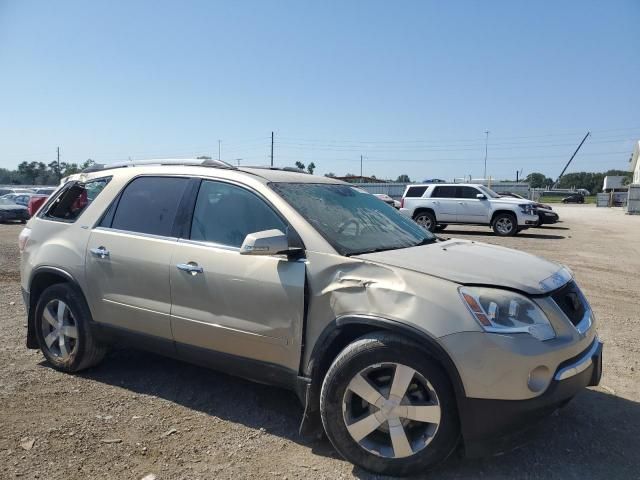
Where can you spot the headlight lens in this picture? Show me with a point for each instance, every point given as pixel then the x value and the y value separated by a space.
pixel 502 311
pixel 527 208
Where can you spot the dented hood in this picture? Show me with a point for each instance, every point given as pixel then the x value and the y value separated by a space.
pixel 467 262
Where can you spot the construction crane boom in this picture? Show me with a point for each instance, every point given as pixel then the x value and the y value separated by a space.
pixel 569 162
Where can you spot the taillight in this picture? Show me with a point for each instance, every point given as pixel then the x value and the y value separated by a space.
pixel 402 202
pixel 23 238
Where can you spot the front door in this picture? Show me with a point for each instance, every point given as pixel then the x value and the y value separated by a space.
pixel 128 255
pixel 471 209
pixel 242 305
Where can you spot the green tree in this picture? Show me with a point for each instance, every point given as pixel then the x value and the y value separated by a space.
pixel 300 165
pixel 330 175
pixel 404 178
pixel 28 172
pixel 311 167
pixel 539 180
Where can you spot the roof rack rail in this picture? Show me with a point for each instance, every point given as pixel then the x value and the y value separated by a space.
pixel 284 169
pixel 197 162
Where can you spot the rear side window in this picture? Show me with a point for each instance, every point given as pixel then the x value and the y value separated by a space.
pixel 73 200
pixel 415 192
pixel 225 214
pixel 444 192
pixel 148 205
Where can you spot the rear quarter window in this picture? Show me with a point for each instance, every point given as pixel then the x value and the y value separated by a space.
pixel 72 200
pixel 415 192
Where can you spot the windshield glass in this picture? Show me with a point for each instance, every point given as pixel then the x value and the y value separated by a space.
pixel 352 220
pixel 488 192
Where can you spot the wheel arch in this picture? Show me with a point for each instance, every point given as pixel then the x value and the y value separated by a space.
pixel 509 212
pixel 42 278
pixel 345 329
pixel 419 210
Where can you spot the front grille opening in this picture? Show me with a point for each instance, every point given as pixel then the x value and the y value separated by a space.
pixel 571 301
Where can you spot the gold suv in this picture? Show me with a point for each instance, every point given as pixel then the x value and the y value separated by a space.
pixel 401 345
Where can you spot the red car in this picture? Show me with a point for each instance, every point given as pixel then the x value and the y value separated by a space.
pixel 35 202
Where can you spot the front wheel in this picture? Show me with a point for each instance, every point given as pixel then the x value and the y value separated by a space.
pixel 388 408
pixel 441 226
pixel 505 224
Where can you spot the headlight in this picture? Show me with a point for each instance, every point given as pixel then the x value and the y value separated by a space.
pixel 502 311
pixel 527 208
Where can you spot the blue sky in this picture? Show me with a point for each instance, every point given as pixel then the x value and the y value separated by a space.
pixel 412 86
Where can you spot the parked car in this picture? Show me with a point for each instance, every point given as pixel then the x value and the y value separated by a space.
pixel 399 344
pixel 18 198
pixel 546 216
pixel 45 190
pixel 10 211
pixel 387 199
pixel 515 195
pixel 35 202
pixel 10 190
pixel 574 198
pixel 434 206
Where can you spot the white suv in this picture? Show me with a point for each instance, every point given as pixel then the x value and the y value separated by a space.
pixel 434 206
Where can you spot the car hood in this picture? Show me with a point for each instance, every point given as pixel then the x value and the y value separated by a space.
pixel 473 263
pixel 511 201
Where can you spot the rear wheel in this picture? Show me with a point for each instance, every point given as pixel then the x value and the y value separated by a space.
pixel 425 219
pixel 505 224
pixel 388 408
pixel 62 321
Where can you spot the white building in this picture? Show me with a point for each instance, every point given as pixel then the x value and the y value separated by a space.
pixel 635 163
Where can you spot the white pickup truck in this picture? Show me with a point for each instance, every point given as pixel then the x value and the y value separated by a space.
pixel 434 206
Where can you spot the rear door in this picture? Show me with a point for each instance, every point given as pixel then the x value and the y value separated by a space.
pixel 445 203
pixel 128 255
pixel 471 209
pixel 242 305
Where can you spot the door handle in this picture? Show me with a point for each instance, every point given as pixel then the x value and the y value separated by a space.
pixel 460 203
pixel 100 252
pixel 191 267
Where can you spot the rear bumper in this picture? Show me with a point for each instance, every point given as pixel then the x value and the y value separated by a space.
pixel 495 426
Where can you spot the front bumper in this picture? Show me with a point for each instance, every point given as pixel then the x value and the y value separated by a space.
pixel 548 217
pixel 495 426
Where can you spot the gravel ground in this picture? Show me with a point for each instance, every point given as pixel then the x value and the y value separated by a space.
pixel 139 414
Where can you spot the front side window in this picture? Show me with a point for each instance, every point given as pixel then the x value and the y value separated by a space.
pixel 468 192
pixel 225 214
pixel 352 220
pixel 148 205
pixel 74 199
pixel 488 192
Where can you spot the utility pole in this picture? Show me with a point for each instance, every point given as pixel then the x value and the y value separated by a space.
pixel 517 173
pixel 486 146
pixel 59 172
pixel 361 180
pixel 272 149
pixel 567 165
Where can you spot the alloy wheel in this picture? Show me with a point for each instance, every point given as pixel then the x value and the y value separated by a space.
pixel 424 221
pixel 391 410
pixel 59 330
pixel 504 225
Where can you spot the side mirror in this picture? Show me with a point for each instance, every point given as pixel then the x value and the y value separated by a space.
pixel 481 196
pixel 267 242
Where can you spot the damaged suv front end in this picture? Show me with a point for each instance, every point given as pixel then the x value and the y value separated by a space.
pixel 513 331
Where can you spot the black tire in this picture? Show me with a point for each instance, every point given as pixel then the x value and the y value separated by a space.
pixel 425 219
pixel 441 226
pixel 505 224
pixel 84 351
pixel 373 351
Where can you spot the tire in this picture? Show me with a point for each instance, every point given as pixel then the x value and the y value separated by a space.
pixel 505 224
pixel 441 226
pixel 69 354
pixel 425 219
pixel 380 356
